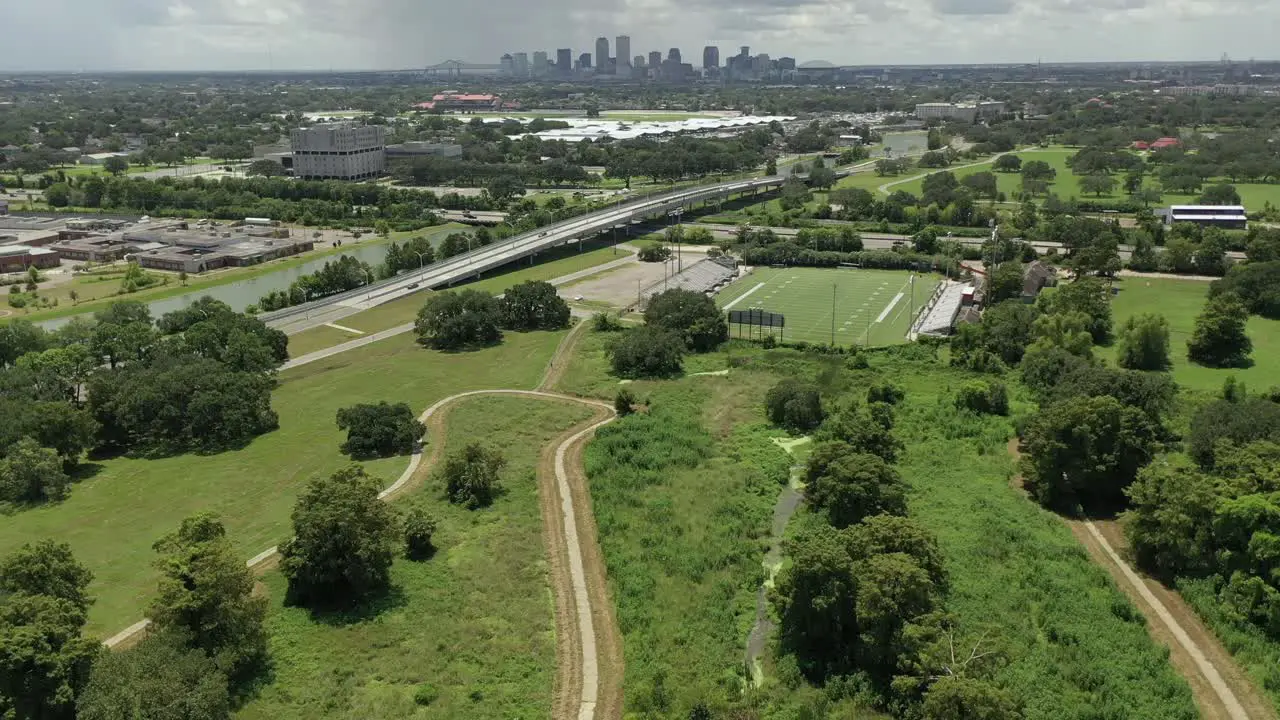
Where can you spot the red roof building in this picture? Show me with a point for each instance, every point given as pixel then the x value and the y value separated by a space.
pixel 1165 142
pixel 1140 145
pixel 461 101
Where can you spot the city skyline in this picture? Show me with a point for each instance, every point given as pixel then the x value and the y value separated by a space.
pixel 111 35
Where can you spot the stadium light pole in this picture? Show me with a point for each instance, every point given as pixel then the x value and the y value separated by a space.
pixel 833 314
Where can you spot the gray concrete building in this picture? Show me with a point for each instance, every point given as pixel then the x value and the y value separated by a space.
pixel 622 50
pixel 341 151
pixel 602 56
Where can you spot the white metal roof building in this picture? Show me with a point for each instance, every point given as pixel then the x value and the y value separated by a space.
pixel 1224 216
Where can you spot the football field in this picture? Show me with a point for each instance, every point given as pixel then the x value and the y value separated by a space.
pixel 869 307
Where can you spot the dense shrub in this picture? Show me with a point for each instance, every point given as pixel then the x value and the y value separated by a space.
pixel 646 352
pixel 472 477
pixel 794 405
pixel 984 397
pixel 456 320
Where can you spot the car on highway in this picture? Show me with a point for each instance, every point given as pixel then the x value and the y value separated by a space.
pixel 412 286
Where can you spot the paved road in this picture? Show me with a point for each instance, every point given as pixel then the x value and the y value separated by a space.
pixel 482 259
pixel 408 327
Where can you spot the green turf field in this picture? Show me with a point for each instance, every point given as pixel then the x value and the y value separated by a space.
pixel 871 306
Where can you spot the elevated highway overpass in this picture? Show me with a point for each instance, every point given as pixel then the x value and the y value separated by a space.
pixel 471 264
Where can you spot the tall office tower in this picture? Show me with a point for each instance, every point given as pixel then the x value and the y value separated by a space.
pixel 674 55
pixel 637 62
pixel 602 55
pixel 584 61
pixel 655 59
pixel 710 57
pixel 506 65
pixel 520 63
pixel 622 49
pixel 540 65
pixel 564 61
pixel 746 51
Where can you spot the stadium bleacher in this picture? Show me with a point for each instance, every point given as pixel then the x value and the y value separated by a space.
pixel 705 276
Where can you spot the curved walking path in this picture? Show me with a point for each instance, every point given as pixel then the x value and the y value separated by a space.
pixel 588 642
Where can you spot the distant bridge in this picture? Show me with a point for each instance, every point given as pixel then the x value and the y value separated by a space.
pixel 458 68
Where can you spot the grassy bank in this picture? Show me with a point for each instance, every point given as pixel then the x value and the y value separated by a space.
pixel 112 518
pixel 473 625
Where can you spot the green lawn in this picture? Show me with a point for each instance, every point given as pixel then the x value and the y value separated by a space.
pixel 558 262
pixel 112 519
pixel 870 305
pixel 475 621
pixel 1180 301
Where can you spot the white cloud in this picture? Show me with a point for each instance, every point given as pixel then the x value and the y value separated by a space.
pixel 319 34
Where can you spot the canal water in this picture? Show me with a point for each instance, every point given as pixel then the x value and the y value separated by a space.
pixel 243 293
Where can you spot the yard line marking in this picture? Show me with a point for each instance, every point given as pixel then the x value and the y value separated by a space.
pixel 336 326
pixel 743 296
pixel 889 308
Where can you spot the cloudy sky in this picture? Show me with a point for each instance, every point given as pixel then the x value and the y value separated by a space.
pixel 99 35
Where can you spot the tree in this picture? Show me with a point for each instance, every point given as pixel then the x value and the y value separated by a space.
pixel 1144 343
pixel 1223 194
pixel 886 392
pixel 794 405
pixel 503 188
pixel 867 429
pixel 1219 339
pixel 30 474
pixel 771 167
pixel 933 140
pixel 1008 163
pixel 691 314
pixel 850 486
pixel 983 184
pixel 379 430
pixel 1088 296
pixel 159 679
pixel 624 403
pixel 1170 519
pixel 1098 183
pixel 654 253
pixel 58 195
pixel 472 477
pixel 1065 330
pixel 19 337
pixel 794 194
pixel 646 351
pixel 265 168
pixel 964 698
pixel 1038 170
pixel 46 568
pixel 206 594
pixel 116 165
pixel 1005 282
pixel 1086 451
pixel 44 661
pixel 343 544
pixel 455 320
pixel 419 529
pixel 1220 424
pixel 533 305
pixel 814 598
pixel 1257 284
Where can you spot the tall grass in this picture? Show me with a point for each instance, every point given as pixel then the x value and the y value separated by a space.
pixel 684 518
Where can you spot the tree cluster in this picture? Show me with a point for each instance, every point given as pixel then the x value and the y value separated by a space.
pixel 452 320
pixel 379 430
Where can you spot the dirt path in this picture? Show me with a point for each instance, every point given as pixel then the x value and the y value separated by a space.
pixel 1221 689
pixel 588 680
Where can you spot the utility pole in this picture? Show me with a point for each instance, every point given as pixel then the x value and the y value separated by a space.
pixel 833 314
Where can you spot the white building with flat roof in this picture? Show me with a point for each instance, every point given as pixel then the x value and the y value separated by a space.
pixel 340 151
